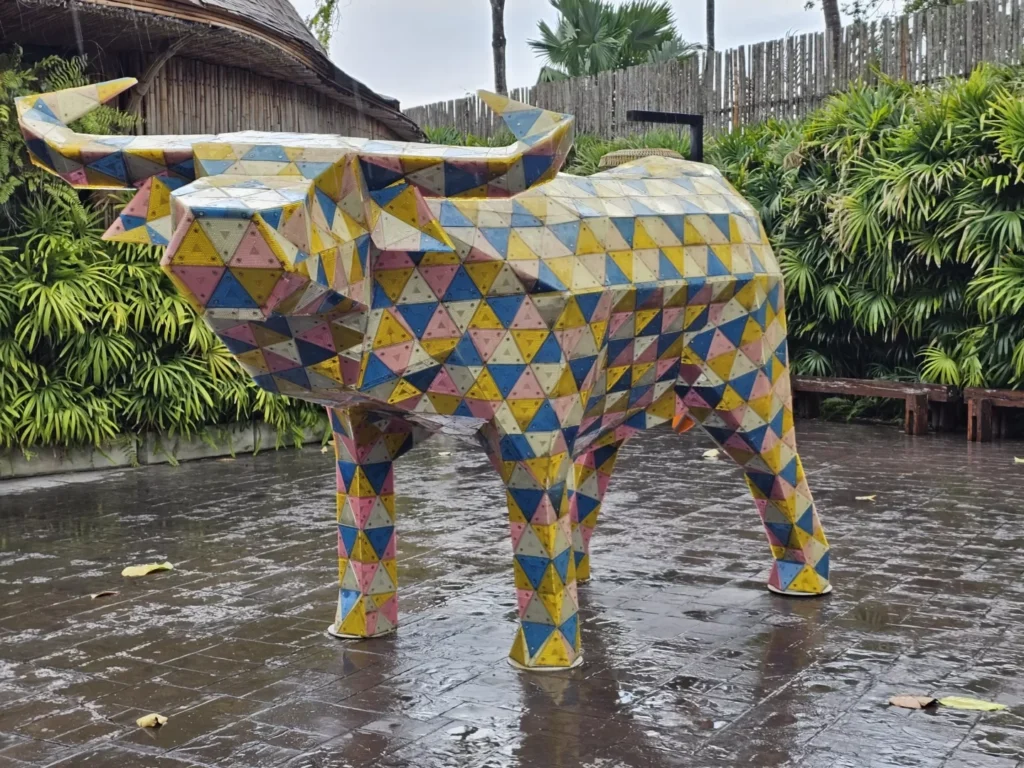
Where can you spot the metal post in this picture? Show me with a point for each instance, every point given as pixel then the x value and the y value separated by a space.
pixel 696 123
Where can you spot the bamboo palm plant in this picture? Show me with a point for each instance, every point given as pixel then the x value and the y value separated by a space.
pixel 897 215
pixel 94 340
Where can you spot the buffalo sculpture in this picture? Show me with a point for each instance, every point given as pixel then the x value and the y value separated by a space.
pixel 409 288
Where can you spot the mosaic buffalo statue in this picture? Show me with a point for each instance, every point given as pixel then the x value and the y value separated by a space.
pixel 411 288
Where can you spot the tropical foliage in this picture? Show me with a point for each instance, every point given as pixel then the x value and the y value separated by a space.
pixel 324 21
pixel 593 36
pixel 94 341
pixel 897 214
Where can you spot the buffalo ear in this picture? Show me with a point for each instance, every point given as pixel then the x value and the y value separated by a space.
pixel 530 125
pixel 62 107
pixel 87 161
pixel 147 218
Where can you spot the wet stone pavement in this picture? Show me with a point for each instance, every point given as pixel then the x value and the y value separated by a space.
pixel 689 661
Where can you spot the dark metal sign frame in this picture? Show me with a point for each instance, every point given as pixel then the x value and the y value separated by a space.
pixel 695 122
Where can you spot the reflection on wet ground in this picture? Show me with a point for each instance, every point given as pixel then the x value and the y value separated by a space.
pixel 689 660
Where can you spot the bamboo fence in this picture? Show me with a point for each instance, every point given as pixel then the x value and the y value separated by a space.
pixel 783 79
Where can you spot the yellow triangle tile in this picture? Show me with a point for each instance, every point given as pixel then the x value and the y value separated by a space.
pixel 571 316
pixel 329 368
pixel 259 283
pixel 446 405
pixel 485 318
pixel 518 652
pixel 524 410
pixel 196 249
pixel 643 317
pixel 588 242
pixel 722 365
pixel 403 391
pixel 439 349
pixel 562 266
pixel 139 235
pixel 393 280
pixel 522 581
pixel 355 622
pixel 554 653
pixel 624 261
pixel 731 400
pixel 639 370
pixel 566 384
pixel 483 273
pixel 691 235
pixel 484 388
pixel 641 239
pixel 675 256
pixel 439 258
pixel 724 254
pixel 529 342
pixel 362 550
pixel 390 331
pixel 518 250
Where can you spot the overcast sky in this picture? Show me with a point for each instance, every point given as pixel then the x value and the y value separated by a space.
pixel 421 51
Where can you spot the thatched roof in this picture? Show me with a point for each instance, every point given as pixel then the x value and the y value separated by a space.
pixel 264 36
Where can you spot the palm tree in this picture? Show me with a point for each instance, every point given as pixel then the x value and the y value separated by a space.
pixel 833 25
pixel 593 36
pixel 710 49
pixel 498 45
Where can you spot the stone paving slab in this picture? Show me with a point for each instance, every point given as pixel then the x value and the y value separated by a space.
pixel 689 661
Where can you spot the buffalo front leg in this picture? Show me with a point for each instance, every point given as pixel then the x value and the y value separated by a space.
pixel 591 473
pixel 548 636
pixel 366 445
pixel 735 382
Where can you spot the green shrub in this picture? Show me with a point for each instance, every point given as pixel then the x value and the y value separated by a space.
pixel 897 215
pixel 94 340
pixel 588 150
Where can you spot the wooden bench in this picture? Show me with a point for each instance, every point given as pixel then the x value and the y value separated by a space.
pixel 980 405
pixel 916 395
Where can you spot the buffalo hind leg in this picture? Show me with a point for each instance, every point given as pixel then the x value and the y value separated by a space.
pixel 735 382
pixel 592 471
pixel 366 444
pixel 548 636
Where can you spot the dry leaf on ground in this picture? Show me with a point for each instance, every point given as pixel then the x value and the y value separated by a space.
pixel 143 570
pixel 872 497
pixel 712 454
pixel 962 702
pixel 325 449
pixel 912 702
pixel 1018 460
pixel 104 593
pixel 444 453
pixel 151 721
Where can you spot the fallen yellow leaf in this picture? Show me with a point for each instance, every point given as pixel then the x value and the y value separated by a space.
pixel 104 593
pixel 324 449
pixel 712 454
pixel 872 497
pixel 143 570
pixel 151 721
pixel 962 702
pixel 1018 460
pixel 912 702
